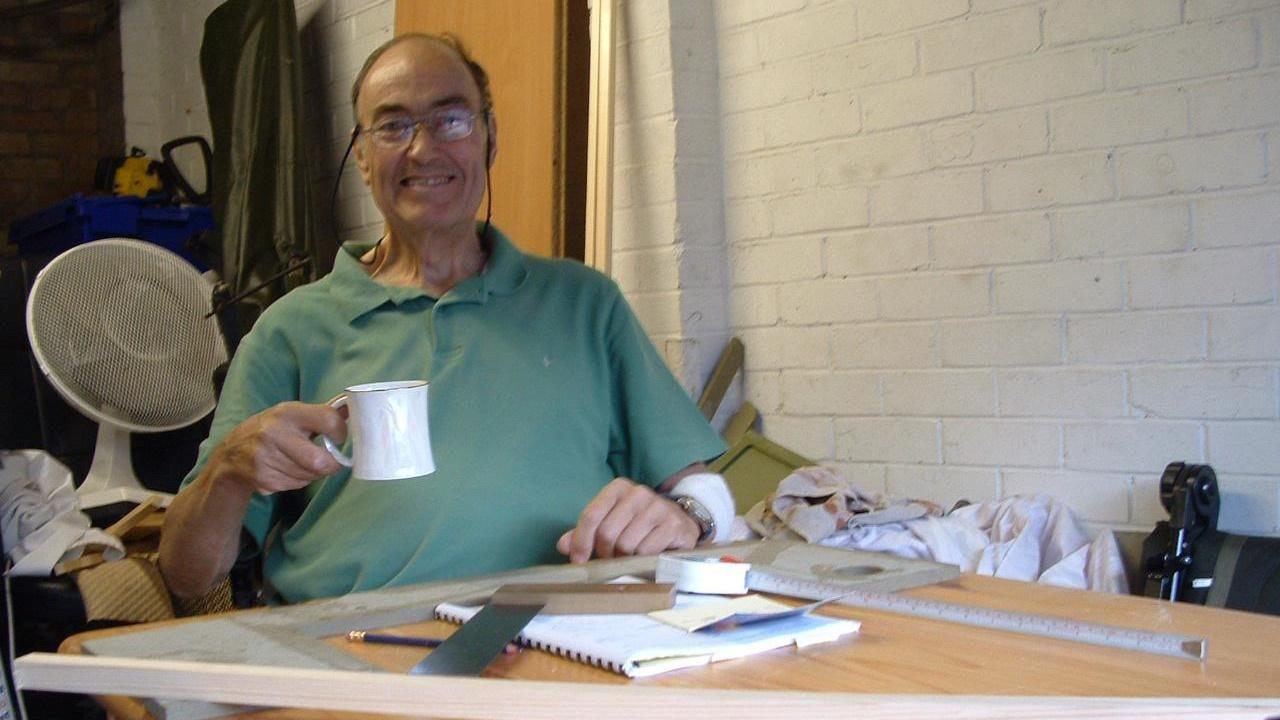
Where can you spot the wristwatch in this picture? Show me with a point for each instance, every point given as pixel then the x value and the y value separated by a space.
pixel 701 516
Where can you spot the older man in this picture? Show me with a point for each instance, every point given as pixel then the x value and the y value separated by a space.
pixel 555 424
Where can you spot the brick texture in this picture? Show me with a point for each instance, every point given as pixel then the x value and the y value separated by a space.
pixel 62 107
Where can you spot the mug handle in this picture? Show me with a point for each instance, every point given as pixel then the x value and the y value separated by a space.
pixel 341 457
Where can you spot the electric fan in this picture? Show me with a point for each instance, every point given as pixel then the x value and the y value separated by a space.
pixel 122 329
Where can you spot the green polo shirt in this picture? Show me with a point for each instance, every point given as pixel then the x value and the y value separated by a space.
pixel 544 387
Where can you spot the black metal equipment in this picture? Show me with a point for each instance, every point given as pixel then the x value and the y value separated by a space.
pixel 1187 559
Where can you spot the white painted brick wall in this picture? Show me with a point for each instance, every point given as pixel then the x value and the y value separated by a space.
pixel 1074 21
pixel 1252 219
pixel 1120 119
pixel 1040 77
pixel 1189 166
pixel 1130 445
pixel 1050 181
pixel 939 393
pixel 980 40
pixel 1002 342
pixel 825 302
pixel 900 440
pixel 1210 277
pixel 989 136
pixel 1244 333
pixel 830 393
pixel 1012 443
pixel 937 295
pixel 928 97
pixel 992 240
pixel 865 64
pixel 1136 338
pixel 1062 393
pixel 876 251
pixel 944 485
pixel 951 193
pixel 1095 497
pixel 1065 286
pixel 1194 50
pixel 1217 392
pixel 1118 230
pixel 886 346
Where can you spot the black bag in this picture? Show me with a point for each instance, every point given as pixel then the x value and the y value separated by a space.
pixel 1186 558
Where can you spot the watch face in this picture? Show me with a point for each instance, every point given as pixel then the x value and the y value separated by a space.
pixel 700 515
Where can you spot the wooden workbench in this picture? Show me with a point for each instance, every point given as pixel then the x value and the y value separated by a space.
pixel 895 654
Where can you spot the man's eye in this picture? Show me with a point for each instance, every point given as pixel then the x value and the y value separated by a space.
pixel 451 119
pixel 394 127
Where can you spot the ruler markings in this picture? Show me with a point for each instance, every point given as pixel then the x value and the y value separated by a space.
pixel 1179 646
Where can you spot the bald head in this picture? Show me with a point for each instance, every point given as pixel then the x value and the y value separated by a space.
pixel 445 40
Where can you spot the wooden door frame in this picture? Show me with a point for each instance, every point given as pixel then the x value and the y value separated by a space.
pixel 598 249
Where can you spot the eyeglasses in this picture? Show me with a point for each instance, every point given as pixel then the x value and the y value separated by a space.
pixel 443 125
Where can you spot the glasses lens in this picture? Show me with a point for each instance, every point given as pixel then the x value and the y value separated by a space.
pixel 394 132
pixel 451 124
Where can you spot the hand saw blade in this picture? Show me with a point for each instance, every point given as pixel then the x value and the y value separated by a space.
pixel 470 649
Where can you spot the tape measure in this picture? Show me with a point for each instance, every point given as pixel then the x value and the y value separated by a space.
pixel 1179 646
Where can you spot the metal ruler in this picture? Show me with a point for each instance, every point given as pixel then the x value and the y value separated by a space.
pixel 1179 646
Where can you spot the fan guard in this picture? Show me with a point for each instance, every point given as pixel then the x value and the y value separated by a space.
pixel 120 328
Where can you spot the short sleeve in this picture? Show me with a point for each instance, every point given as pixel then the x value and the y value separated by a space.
pixel 657 429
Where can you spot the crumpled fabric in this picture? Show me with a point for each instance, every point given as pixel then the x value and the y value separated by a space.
pixel 40 517
pixel 1035 538
pixel 816 502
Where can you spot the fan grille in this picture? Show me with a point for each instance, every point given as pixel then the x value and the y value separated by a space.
pixel 119 327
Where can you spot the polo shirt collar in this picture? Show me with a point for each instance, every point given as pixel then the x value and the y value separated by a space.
pixel 357 293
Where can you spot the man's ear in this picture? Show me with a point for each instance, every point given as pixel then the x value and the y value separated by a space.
pixel 362 162
pixel 492 126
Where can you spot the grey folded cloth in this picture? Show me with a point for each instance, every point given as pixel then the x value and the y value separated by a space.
pixel 817 502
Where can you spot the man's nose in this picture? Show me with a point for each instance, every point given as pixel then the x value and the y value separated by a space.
pixel 420 142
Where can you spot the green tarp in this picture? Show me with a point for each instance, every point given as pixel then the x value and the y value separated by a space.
pixel 250 60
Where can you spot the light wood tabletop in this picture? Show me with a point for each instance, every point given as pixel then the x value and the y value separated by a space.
pixel 897 654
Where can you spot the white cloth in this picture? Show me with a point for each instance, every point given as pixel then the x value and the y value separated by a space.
pixel 40 516
pixel 816 502
pixel 1025 537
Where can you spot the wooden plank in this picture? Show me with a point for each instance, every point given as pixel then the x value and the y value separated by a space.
pixel 727 367
pixel 134 517
pixel 456 697
pixel 588 598
pixel 740 423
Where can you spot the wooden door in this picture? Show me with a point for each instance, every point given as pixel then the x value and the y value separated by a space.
pixel 535 52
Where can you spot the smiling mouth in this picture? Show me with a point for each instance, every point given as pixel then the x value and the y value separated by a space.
pixel 431 181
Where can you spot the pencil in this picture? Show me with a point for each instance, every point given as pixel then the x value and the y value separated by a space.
pixel 383 639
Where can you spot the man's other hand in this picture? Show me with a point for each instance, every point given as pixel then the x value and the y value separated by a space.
pixel 626 518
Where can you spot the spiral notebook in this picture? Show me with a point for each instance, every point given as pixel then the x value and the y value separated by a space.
pixel 636 645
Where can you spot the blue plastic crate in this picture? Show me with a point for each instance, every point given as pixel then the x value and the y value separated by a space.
pixel 80 219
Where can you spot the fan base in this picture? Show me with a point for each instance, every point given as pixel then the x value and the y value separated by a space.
pixel 110 496
pixel 111 478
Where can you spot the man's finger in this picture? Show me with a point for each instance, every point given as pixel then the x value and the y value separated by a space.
pixel 584 541
pixel 631 507
pixel 563 545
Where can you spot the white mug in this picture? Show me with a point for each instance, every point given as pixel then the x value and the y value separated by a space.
pixel 390 438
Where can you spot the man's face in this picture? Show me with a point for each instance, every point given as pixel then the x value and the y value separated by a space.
pixel 427 185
